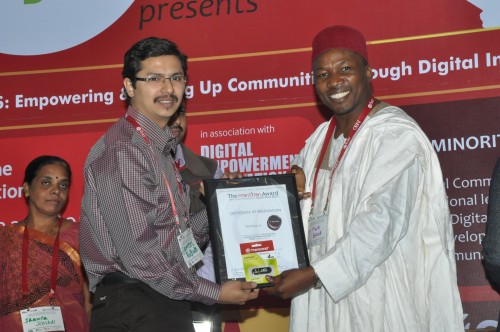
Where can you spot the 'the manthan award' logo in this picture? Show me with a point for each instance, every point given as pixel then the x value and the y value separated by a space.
pixel 32 27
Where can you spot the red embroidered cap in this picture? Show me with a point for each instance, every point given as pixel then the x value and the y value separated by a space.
pixel 339 36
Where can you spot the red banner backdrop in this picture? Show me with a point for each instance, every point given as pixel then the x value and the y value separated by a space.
pixel 251 100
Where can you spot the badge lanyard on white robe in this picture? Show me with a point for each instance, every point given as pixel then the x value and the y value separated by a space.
pixel 317 228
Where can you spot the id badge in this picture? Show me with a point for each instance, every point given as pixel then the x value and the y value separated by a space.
pixel 189 248
pixel 41 319
pixel 317 230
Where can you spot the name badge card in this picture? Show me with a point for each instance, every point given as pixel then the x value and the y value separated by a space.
pixel 317 230
pixel 42 319
pixel 189 248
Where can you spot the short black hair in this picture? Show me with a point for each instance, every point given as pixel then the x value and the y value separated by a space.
pixel 36 164
pixel 148 48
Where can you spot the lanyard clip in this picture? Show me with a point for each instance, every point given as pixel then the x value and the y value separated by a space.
pixel 25 302
pixel 52 298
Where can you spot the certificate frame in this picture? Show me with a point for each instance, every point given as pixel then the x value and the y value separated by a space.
pixel 283 230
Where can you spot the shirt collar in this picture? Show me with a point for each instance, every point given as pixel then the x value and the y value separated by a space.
pixel 162 138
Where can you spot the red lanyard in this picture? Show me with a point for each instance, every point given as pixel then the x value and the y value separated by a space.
pixel 55 259
pixel 134 123
pixel 331 127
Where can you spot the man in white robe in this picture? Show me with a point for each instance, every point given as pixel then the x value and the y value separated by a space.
pixel 381 242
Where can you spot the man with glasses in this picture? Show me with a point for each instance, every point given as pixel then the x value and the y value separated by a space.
pixel 139 243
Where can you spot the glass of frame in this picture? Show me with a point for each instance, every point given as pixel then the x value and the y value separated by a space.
pixel 255 227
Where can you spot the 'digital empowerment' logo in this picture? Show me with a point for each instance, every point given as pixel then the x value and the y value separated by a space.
pixel 32 27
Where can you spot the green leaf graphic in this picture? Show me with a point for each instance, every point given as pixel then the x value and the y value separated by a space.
pixel 30 2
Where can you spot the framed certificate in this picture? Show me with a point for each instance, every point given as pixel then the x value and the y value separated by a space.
pixel 255 227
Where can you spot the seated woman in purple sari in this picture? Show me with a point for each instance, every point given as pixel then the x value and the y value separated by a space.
pixel 40 268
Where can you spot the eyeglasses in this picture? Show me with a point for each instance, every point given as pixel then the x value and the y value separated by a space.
pixel 176 80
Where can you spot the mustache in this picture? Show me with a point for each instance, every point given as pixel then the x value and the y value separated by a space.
pixel 169 96
pixel 178 127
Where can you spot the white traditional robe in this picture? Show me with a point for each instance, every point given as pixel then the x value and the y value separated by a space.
pixel 388 262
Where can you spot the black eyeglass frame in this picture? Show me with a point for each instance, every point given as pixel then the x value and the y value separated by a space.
pixel 156 79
